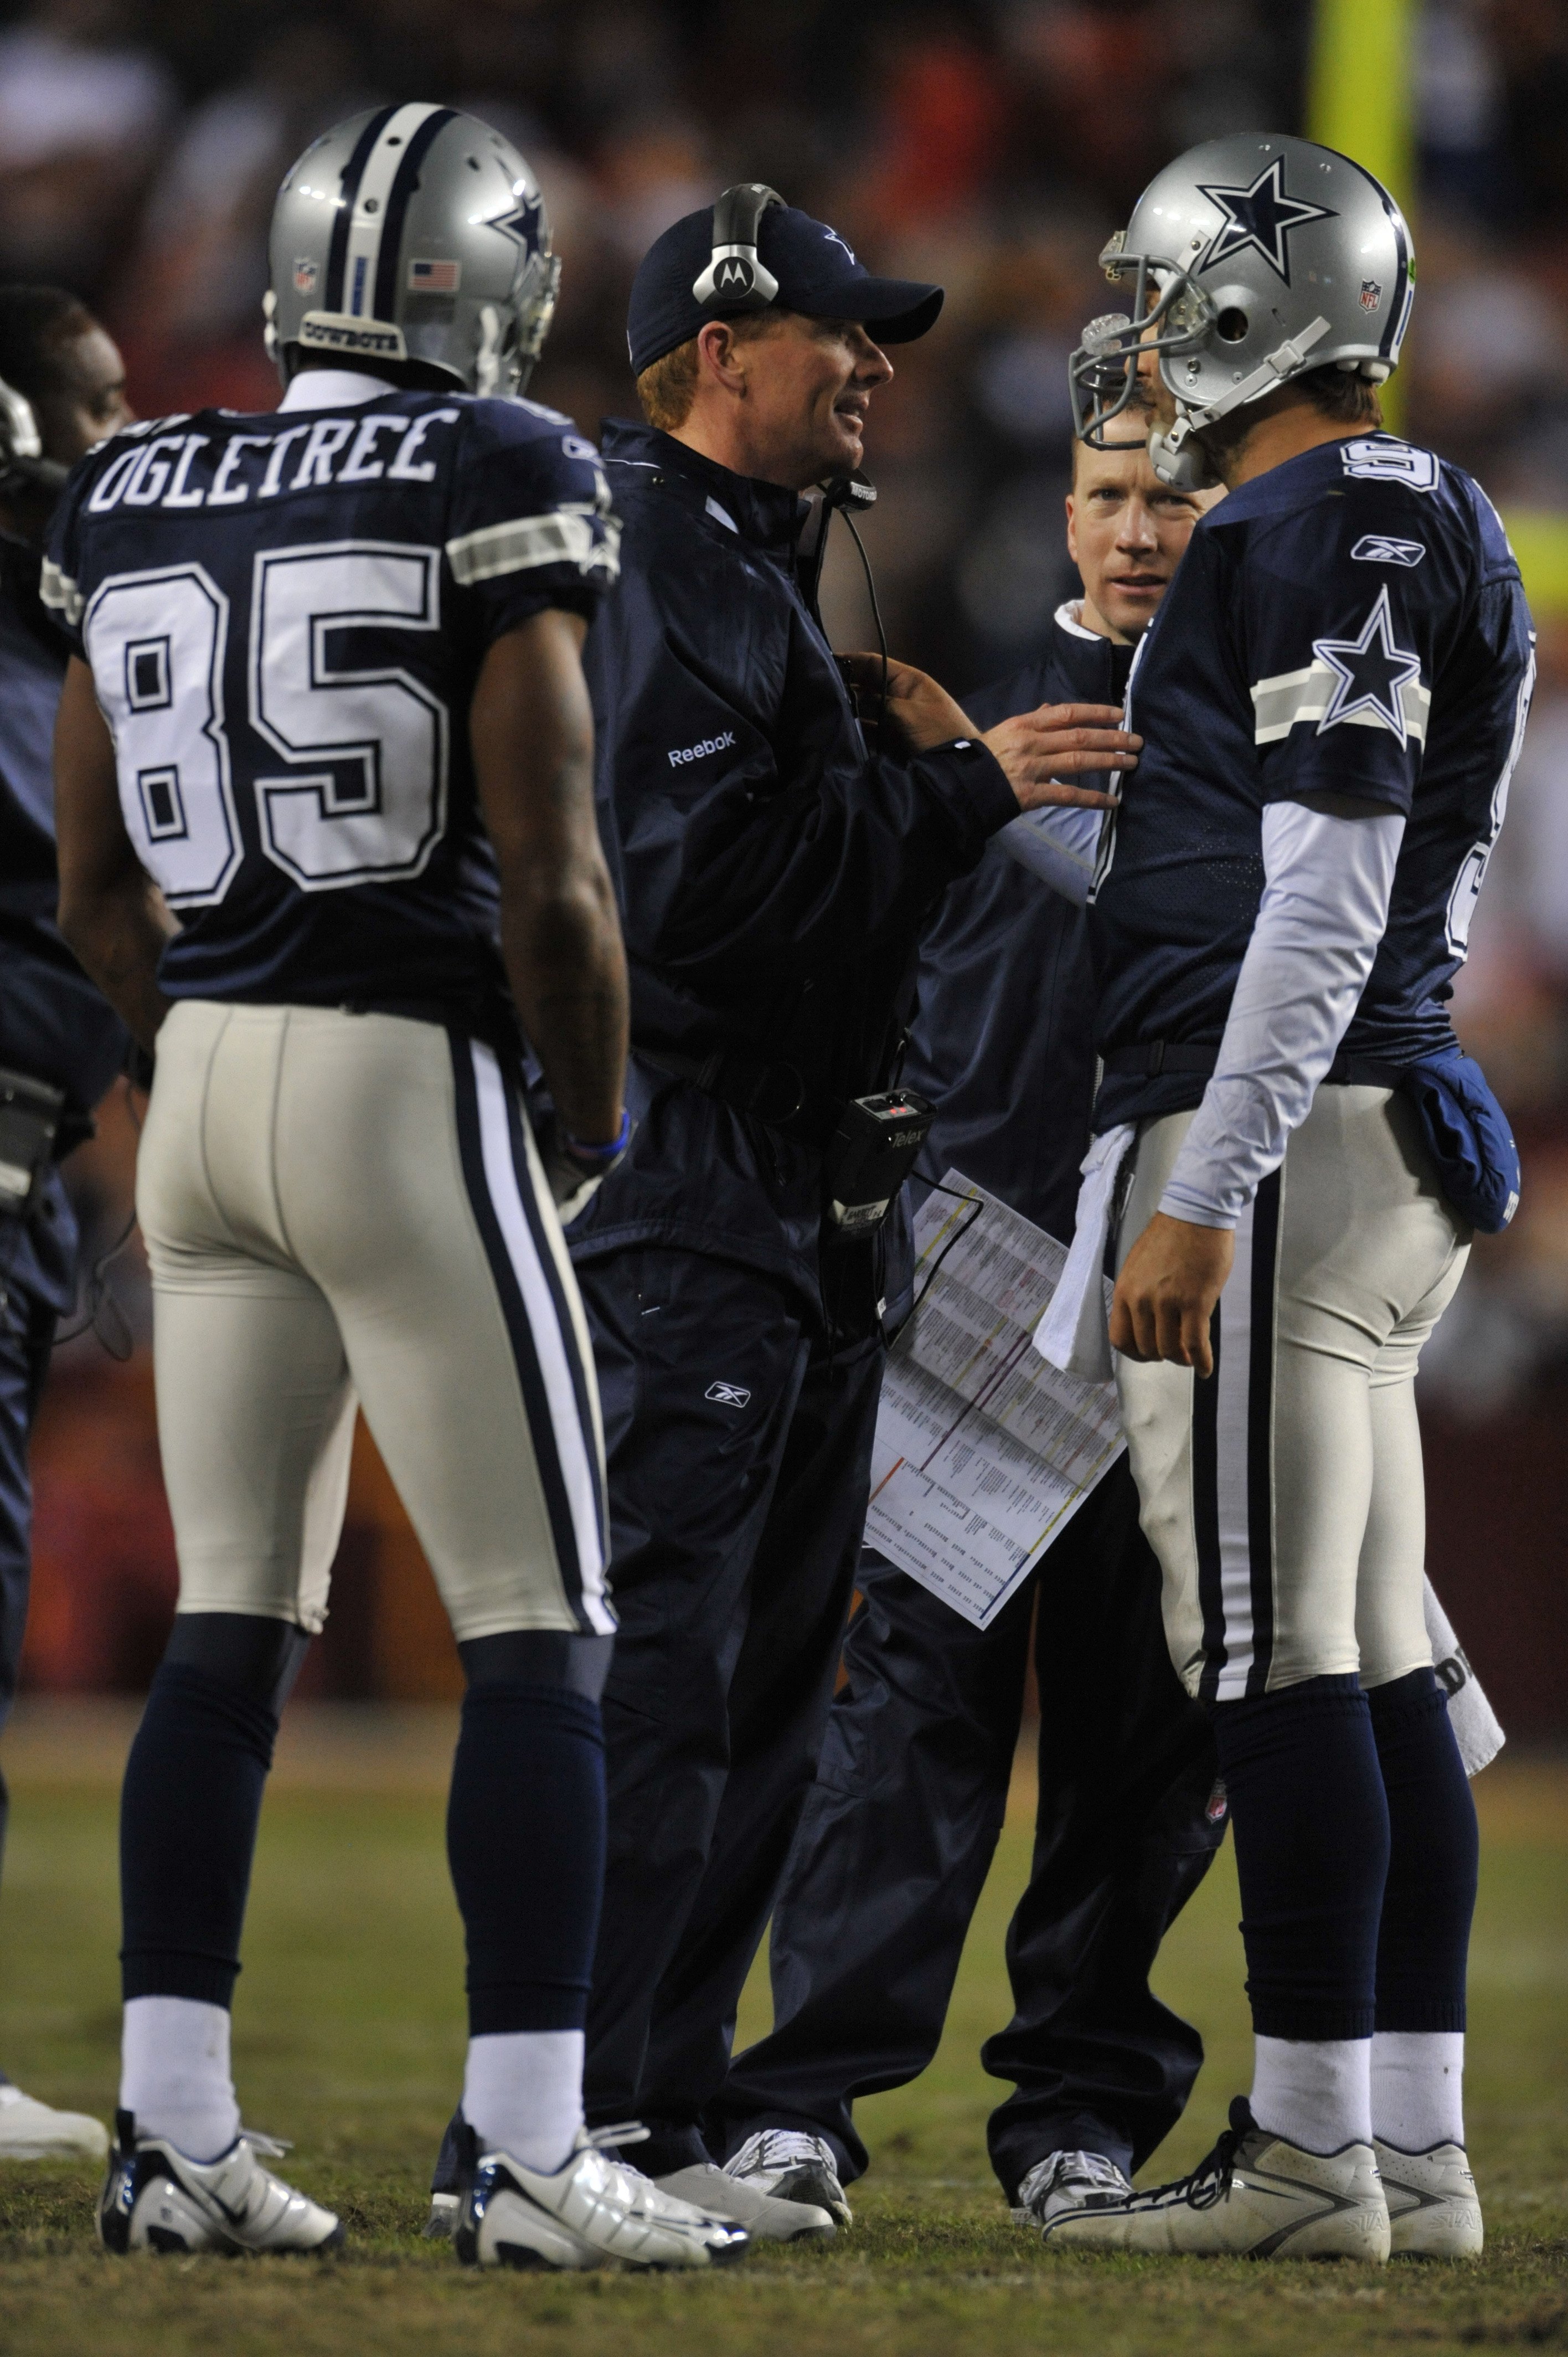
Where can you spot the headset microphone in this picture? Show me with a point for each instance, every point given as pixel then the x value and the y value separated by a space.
pixel 735 278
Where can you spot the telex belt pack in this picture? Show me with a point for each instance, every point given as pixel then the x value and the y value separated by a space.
pixel 869 1145
pixel 1465 1129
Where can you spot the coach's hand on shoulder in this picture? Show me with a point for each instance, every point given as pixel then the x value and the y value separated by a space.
pixel 1039 749
pixel 1165 1294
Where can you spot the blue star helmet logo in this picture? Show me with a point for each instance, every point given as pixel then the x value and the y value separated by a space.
pixel 1371 674
pixel 1260 217
pixel 525 222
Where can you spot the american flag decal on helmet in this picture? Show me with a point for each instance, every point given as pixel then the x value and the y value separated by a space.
pixel 435 277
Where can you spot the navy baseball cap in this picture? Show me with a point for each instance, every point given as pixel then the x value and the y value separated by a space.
pixel 817 275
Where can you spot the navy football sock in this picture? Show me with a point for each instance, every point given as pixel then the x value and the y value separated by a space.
pixel 1434 1859
pixel 525 1838
pixel 1312 1852
pixel 191 1799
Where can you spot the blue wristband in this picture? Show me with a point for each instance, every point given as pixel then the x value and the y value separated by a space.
pixel 617 1146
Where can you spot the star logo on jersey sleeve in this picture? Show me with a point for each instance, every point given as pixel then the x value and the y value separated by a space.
pixel 1261 218
pixel 1370 674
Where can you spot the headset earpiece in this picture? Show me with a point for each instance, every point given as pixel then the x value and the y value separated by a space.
pixel 22 456
pixel 735 279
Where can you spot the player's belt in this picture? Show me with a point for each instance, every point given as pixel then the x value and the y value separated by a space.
pixel 1146 1059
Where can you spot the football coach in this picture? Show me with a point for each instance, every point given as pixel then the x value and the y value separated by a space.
pixel 775 877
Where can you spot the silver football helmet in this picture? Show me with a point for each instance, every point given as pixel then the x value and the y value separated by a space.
pixel 413 233
pixel 1250 258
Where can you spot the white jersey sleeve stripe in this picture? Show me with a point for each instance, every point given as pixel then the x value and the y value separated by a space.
pixel 1281 704
pixel 564 536
pixel 60 593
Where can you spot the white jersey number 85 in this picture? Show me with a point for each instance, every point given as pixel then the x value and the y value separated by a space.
pixel 362 793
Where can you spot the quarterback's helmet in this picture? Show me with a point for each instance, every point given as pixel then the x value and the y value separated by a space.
pixel 1252 258
pixel 413 233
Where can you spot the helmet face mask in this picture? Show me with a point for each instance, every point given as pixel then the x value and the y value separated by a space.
pixel 1252 259
pixel 413 234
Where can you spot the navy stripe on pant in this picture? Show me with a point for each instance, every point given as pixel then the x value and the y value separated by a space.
pixel 897 1837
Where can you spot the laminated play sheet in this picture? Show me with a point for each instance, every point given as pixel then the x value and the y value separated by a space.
pixel 985 1451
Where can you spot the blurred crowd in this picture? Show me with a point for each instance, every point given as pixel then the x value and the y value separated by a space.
pixel 992 145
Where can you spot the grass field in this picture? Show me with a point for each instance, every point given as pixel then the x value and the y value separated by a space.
pixel 349 2038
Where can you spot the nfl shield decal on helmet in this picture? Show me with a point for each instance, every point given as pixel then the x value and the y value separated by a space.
pixel 305 275
pixel 1371 294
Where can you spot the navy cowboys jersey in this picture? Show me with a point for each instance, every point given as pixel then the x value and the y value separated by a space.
pixel 1353 623
pixel 285 616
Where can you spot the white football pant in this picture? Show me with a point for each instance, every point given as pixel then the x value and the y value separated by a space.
pixel 345 1207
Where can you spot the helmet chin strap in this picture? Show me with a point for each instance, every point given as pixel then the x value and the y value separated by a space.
pixel 1178 458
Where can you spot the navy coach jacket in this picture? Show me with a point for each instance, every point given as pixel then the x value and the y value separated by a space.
pixel 1003 1038
pixel 774 878
pixel 53 1025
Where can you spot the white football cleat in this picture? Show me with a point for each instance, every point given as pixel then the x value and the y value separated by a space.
pixel 156 2199
pixel 33 2131
pixel 1067 2181
pixel 1433 2209
pixel 790 2165
pixel 767 2218
pixel 590 2213
pixel 1255 2196
pixel 442 2222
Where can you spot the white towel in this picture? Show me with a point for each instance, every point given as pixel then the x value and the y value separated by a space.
pixel 1470 1714
pixel 1073 1334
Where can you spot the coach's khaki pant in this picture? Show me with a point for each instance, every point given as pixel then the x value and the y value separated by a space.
pixel 1285 1496
pixel 341 1207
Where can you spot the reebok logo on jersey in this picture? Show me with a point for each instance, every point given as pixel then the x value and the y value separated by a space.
pixel 681 755
pixel 1376 548
pixel 727 1394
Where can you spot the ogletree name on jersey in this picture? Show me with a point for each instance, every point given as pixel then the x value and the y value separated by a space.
pixel 319 452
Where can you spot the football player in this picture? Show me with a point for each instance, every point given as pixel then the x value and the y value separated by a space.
pixel 326 705
pixel 62 388
pixel 1296 1154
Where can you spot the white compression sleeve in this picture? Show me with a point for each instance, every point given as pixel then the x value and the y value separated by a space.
pixel 1059 843
pixel 1324 911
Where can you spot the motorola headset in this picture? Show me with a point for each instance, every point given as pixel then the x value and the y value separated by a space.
pixel 736 278
pixel 22 460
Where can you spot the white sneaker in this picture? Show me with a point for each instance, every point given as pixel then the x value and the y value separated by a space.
pixel 591 2211
pixel 33 2131
pixel 1069 2180
pixel 792 2167
pixel 763 2215
pixel 1433 2209
pixel 156 2199
pixel 1254 2197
